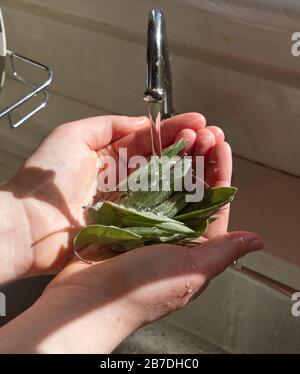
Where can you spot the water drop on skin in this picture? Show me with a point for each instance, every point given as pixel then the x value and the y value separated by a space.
pixel 240 239
pixel 238 263
pixel 211 162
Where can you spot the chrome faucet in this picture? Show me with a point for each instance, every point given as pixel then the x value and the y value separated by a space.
pixel 159 77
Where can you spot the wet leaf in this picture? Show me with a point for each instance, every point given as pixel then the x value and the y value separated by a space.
pixel 172 206
pixel 143 172
pixel 102 235
pixel 213 200
pixel 163 185
pixel 109 213
pixel 149 233
pixel 149 217
pixel 174 149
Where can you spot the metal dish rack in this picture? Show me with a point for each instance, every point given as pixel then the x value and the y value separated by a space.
pixel 10 58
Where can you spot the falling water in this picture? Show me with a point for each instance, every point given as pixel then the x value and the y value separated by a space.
pixel 155 126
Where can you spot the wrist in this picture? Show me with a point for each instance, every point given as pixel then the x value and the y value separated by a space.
pixel 65 320
pixel 15 236
pixel 88 324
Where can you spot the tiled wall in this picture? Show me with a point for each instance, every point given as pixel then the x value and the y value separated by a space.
pixel 231 60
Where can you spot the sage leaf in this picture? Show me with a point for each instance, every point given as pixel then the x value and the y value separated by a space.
pixel 213 200
pixel 142 218
pixel 102 235
pixel 149 233
pixel 109 213
pixel 169 172
pixel 172 206
pixel 144 171
pixel 174 149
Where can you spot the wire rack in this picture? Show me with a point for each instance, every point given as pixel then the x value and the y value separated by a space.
pixel 35 90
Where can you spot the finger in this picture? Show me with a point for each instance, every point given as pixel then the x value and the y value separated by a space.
pixel 190 138
pixel 204 142
pixel 171 126
pixel 219 169
pixel 98 132
pixel 139 143
pixel 218 174
pixel 214 256
pixel 217 132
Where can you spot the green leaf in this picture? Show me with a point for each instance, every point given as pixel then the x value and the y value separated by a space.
pixel 174 149
pixel 102 235
pixel 148 233
pixel 201 230
pixel 214 199
pixel 148 217
pixel 212 219
pixel 109 213
pixel 172 206
pixel 149 199
pixel 104 213
pixel 173 227
pixel 165 184
pixel 175 238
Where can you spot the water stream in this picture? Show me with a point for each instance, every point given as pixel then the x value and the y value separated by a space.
pixel 155 126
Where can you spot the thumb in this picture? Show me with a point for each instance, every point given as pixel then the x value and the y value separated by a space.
pixel 99 132
pixel 215 255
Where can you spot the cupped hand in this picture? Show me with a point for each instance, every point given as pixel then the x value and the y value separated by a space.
pixel 95 307
pixel 114 295
pixel 61 177
pixel 117 294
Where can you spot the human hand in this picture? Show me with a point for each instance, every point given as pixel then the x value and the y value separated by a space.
pixel 142 285
pixel 45 198
pixel 92 308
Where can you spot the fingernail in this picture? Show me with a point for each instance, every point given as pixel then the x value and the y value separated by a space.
pixel 256 245
pixel 217 132
pixel 247 241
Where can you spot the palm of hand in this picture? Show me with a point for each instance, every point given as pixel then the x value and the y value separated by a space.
pixel 61 176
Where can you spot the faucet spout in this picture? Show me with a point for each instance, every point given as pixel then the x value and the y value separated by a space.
pixel 159 77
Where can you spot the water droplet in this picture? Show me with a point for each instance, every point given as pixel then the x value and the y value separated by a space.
pixel 237 264
pixel 239 239
pixel 211 162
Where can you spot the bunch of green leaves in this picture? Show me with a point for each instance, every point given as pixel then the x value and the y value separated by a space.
pixel 140 218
